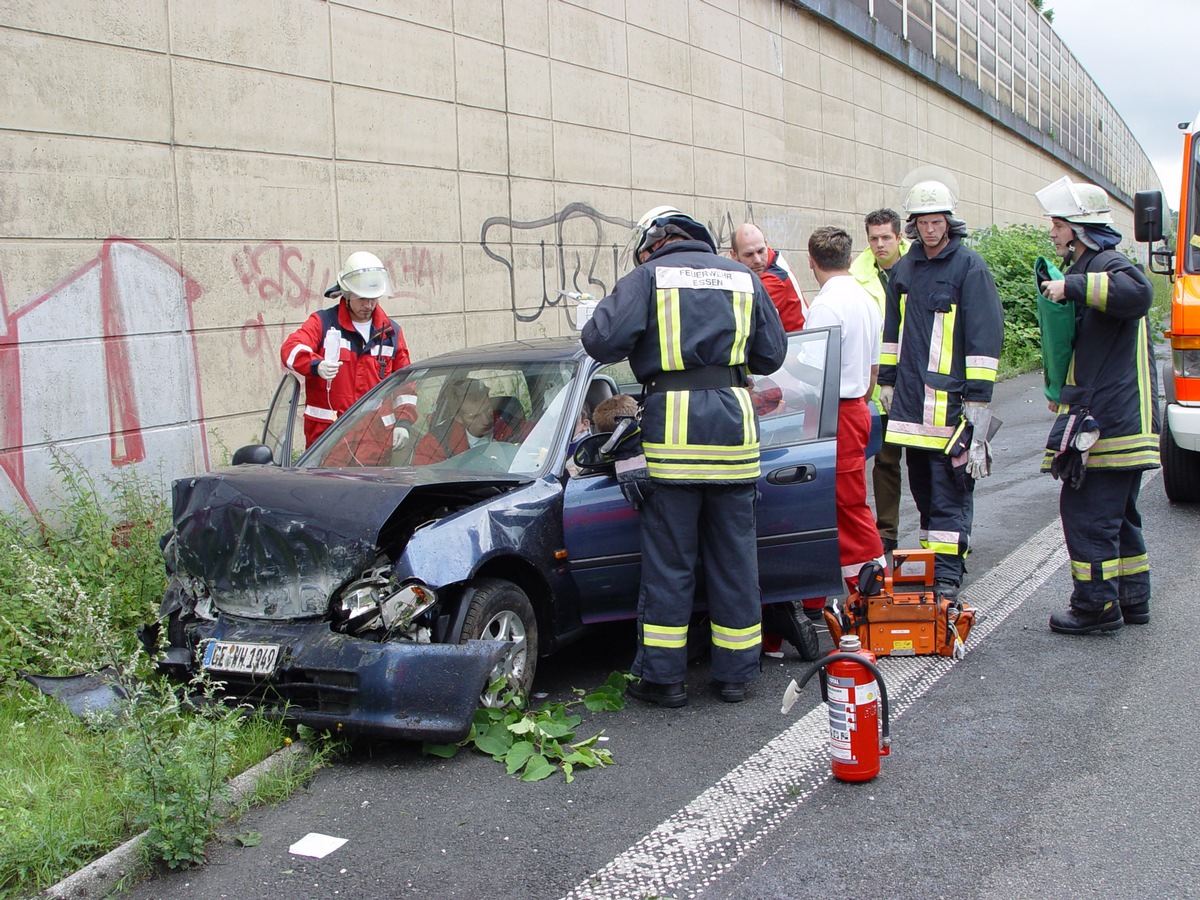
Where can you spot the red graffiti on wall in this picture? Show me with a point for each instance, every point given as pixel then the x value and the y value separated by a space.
pixel 273 272
pixel 415 271
pixel 87 338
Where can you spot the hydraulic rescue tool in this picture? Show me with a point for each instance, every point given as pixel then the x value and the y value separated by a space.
pixel 902 614
pixel 854 691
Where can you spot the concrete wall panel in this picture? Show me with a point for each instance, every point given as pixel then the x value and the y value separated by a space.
pixel 198 197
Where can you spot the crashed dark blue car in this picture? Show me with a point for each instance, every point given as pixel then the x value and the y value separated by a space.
pixel 385 581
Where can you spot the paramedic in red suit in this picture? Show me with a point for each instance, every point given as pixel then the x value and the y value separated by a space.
pixel 749 247
pixel 371 346
pixel 842 301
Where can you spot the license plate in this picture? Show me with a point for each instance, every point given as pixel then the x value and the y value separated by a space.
pixel 242 659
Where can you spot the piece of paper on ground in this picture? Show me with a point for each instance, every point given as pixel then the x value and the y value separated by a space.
pixel 316 845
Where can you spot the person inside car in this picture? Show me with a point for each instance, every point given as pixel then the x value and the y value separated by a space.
pixel 465 419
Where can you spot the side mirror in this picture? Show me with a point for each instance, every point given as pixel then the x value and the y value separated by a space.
pixel 588 455
pixel 253 454
pixel 1148 216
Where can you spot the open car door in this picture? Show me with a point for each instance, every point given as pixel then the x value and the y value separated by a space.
pixel 283 416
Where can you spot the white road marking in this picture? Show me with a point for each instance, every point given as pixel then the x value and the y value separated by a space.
pixel 705 839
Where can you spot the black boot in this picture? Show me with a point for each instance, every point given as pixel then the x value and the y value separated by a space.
pixel 1136 612
pixel 669 695
pixel 731 691
pixel 1081 621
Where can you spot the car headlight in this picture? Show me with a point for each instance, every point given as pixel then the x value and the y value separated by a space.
pixel 1186 363
pixel 376 599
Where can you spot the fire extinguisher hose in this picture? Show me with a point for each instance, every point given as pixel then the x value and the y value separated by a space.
pixel 820 665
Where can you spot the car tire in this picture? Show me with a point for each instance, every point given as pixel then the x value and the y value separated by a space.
pixel 500 611
pixel 789 620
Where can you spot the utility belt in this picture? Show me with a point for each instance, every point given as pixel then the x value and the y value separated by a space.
pixel 702 378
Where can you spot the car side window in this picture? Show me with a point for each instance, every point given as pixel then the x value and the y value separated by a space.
pixel 788 401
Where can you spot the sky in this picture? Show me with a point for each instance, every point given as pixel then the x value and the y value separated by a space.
pixel 1143 55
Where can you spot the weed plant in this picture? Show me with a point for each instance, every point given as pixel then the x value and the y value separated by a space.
pixel 74 583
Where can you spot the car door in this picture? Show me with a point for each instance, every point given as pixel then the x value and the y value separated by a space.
pixel 283 417
pixel 797 524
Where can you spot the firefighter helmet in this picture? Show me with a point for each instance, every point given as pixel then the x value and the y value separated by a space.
pixel 363 275
pixel 926 197
pixel 1082 204
pixel 663 221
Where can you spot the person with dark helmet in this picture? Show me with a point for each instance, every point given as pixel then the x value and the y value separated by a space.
pixel 365 345
pixel 1107 430
pixel 937 368
pixel 694 325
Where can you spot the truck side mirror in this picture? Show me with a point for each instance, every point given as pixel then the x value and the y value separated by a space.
pixel 1148 216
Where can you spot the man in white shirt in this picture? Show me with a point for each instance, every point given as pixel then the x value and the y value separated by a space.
pixel 842 301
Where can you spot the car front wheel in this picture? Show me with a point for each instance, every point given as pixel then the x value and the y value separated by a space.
pixel 500 611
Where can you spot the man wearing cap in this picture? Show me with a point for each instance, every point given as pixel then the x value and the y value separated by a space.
pixel 342 352
pixel 693 324
pixel 1107 433
pixel 937 368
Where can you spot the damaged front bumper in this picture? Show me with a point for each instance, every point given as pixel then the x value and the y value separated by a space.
pixel 331 681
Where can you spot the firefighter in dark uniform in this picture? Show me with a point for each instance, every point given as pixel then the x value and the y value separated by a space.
pixel 937 367
pixel 692 324
pixel 1107 431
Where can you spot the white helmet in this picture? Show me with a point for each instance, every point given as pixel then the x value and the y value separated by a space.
pixel 1082 204
pixel 926 197
pixel 363 275
pixel 662 221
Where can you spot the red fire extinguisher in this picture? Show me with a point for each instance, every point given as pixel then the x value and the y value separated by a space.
pixel 854 690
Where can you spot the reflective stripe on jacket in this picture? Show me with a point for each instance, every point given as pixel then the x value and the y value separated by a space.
pixel 947 348
pixel 685 308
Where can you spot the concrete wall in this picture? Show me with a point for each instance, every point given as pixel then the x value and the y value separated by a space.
pixel 184 177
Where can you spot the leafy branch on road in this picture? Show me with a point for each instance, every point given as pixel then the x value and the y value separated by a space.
pixel 537 743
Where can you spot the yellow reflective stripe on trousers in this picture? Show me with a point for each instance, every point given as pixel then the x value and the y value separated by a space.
pixel 736 638
pixel 941 547
pixel 671 636
pixel 743 310
pixel 1132 565
pixel 670 348
pixel 1109 569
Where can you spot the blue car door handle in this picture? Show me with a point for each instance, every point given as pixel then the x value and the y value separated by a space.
pixel 793 475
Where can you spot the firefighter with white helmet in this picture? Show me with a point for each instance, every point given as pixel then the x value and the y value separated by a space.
pixel 693 324
pixel 937 368
pixel 1111 390
pixel 343 351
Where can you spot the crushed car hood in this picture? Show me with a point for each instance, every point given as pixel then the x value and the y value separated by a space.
pixel 276 543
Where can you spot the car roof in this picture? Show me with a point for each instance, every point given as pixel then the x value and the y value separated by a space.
pixel 533 350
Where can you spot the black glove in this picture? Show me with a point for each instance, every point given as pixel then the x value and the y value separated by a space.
pixel 1069 467
pixel 625 448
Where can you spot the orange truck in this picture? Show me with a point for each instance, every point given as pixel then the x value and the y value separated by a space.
pixel 1180 441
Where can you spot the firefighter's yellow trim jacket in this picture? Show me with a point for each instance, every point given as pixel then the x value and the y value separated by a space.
pixel 686 308
pixel 947 348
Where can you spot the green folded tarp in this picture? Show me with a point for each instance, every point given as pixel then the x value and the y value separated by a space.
pixel 1057 324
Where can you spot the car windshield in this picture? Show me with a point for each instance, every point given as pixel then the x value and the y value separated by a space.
pixel 494 417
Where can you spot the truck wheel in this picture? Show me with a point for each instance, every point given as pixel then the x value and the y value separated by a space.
pixel 1181 469
pixel 500 611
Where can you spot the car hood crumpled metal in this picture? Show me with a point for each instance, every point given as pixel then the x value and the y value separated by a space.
pixel 277 542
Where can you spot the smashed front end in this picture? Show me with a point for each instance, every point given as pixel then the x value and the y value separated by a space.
pixel 283 588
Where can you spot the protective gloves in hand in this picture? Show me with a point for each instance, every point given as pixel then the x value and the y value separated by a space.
pixel 328 370
pixel 400 437
pixel 885 398
pixel 979 457
pixel 625 448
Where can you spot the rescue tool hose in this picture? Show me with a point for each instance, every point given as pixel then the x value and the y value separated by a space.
pixel 866 664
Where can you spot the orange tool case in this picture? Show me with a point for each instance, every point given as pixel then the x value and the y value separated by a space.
pixel 905 617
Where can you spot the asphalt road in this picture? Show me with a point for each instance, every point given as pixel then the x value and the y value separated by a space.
pixel 1038 766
